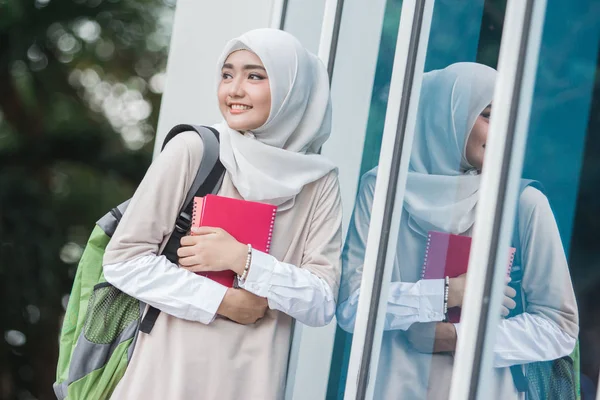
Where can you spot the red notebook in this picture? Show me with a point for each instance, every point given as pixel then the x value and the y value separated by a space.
pixel 448 255
pixel 248 222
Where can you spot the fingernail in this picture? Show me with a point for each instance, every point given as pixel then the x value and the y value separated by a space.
pixel 195 229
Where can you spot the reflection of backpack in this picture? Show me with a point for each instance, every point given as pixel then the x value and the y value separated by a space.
pixel 545 380
pixel 101 322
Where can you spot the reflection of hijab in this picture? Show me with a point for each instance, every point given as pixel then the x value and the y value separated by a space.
pixel 442 188
pixel 274 162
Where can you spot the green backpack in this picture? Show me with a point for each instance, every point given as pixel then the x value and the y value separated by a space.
pixel 101 323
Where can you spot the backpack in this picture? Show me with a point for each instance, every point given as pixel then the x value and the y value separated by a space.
pixel 101 323
pixel 544 380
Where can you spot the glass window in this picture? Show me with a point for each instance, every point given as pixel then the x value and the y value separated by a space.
pixel 554 325
pixel 434 228
pixel 547 336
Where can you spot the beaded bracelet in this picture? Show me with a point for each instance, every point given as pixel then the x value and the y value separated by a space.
pixel 446 292
pixel 248 262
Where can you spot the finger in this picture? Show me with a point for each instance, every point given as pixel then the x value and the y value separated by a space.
pixel 188 261
pixel 188 240
pixel 504 311
pixel 186 251
pixel 509 303
pixel 509 291
pixel 204 230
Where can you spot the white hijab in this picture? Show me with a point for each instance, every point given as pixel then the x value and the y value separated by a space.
pixel 442 187
pixel 274 162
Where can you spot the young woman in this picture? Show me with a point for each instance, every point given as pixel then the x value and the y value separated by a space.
pixel 441 195
pixel 213 342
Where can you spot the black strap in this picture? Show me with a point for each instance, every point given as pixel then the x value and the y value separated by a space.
pixel 184 220
pixel 149 320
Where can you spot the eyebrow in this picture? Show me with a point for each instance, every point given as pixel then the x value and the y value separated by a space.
pixel 245 67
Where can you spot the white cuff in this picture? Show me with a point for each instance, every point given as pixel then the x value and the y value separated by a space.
pixel 213 294
pixel 431 307
pixel 259 274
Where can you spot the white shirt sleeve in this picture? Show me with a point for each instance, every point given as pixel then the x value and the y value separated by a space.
pixel 548 328
pixel 422 301
pixel 528 338
pixel 292 290
pixel 160 283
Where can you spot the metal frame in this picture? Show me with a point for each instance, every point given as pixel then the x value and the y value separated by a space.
pixel 330 32
pixel 409 60
pixel 496 208
pixel 598 394
pixel 278 13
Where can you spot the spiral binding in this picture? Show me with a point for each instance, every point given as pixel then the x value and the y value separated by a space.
pixel 511 261
pixel 270 237
pixel 194 214
pixel 426 255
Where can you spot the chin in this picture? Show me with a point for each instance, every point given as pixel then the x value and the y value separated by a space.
pixel 236 126
pixel 242 125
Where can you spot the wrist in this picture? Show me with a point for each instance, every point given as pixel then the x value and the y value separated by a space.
pixel 452 297
pixel 240 259
pixel 225 305
pixel 445 337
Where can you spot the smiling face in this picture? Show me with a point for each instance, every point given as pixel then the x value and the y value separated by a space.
pixel 244 92
pixel 475 148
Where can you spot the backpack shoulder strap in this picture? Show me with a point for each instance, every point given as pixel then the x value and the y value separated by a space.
pixel 207 180
pixel 210 139
pixel 516 273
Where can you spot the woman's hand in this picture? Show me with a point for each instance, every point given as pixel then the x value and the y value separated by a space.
pixel 456 291
pixel 242 307
pixel 432 337
pixel 508 302
pixel 212 249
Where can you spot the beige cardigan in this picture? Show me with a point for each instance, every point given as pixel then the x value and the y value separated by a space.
pixel 222 360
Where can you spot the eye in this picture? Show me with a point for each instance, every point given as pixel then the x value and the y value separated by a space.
pixel 226 75
pixel 256 77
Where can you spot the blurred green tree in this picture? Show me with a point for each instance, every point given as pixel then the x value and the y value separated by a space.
pixel 80 86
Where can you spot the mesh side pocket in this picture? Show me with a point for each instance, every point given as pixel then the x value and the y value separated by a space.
pixel 109 312
pixel 552 380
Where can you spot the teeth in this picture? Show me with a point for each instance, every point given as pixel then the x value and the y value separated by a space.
pixel 240 107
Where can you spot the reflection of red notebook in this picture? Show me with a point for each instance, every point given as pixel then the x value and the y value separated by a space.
pixel 448 255
pixel 248 222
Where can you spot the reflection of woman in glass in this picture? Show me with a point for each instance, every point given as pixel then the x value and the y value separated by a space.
pixel 442 191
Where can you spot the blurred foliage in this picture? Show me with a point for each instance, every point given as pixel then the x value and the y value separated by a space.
pixel 80 86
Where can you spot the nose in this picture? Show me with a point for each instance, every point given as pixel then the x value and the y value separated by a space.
pixel 236 88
